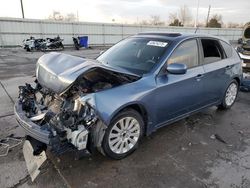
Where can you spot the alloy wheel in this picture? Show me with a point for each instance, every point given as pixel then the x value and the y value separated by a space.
pixel 124 135
pixel 231 94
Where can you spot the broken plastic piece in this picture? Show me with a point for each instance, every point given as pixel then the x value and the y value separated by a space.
pixel 212 136
pixel 7 143
pixel 4 149
pixel 33 162
pixel 38 117
pixel 219 138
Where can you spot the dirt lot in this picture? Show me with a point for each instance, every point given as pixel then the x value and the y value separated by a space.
pixel 184 154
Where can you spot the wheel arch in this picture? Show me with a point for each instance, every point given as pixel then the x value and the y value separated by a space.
pixel 238 80
pixel 140 108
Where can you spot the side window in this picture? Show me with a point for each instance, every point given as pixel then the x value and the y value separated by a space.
pixel 211 50
pixel 227 48
pixel 186 53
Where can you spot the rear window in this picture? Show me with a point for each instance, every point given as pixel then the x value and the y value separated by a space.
pixel 227 48
pixel 211 50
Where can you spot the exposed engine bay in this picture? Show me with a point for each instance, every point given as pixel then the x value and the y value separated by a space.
pixel 66 115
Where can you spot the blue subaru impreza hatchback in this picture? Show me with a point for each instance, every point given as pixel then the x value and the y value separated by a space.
pixel 140 84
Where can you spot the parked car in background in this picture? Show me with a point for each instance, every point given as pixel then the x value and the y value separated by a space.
pixel 142 83
pixel 244 47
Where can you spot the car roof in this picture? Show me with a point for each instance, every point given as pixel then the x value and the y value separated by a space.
pixel 175 36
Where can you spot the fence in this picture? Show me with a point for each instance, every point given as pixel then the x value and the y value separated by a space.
pixel 13 31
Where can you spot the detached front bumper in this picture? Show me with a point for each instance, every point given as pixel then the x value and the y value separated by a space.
pixel 29 127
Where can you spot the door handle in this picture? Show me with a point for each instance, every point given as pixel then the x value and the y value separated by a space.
pixel 199 76
pixel 229 66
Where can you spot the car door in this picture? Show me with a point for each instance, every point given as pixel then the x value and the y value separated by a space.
pixel 176 95
pixel 215 66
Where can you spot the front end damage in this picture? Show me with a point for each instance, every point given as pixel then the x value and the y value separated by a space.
pixel 62 116
pixel 53 119
pixel 59 121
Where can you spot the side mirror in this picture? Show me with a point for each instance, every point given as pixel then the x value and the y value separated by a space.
pixel 177 68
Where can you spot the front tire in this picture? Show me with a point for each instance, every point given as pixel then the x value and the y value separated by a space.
pixel 62 46
pixel 123 134
pixel 230 95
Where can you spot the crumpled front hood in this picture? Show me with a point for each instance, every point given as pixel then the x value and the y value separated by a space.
pixel 57 71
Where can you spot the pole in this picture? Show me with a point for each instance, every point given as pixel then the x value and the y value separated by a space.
pixel 197 12
pixel 208 14
pixel 21 1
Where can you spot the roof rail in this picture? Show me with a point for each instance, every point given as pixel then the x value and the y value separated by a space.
pixel 161 34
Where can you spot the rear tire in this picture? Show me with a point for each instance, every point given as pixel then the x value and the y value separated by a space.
pixel 123 134
pixel 230 95
pixel 76 46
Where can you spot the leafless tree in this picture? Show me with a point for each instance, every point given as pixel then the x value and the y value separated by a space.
pixel 185 15
pixel 174 20
pixel 182 17
pixel 56 15
pixel 144 22
pixel 172 16
pixel 71 17
pixel 235 25
pixel 156 20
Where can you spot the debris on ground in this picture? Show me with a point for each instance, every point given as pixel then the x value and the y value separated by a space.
pixel 8 143
pixel 240 132
pixel 208 124
pixel 191 122
pixel 203 143
pixel 4 149
pixel 183 148
pixel 218 137
pixel 33 162
pixel 212 136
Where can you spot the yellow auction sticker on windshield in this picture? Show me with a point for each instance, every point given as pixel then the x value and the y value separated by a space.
pixel 157 43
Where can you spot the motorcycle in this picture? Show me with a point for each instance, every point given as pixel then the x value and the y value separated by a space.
pixel 32 44
pixel 52 44
pixel 76 43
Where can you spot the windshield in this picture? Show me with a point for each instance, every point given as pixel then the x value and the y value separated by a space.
pixel 137 55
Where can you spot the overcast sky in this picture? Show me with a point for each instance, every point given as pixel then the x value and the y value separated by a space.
pixel 126 11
